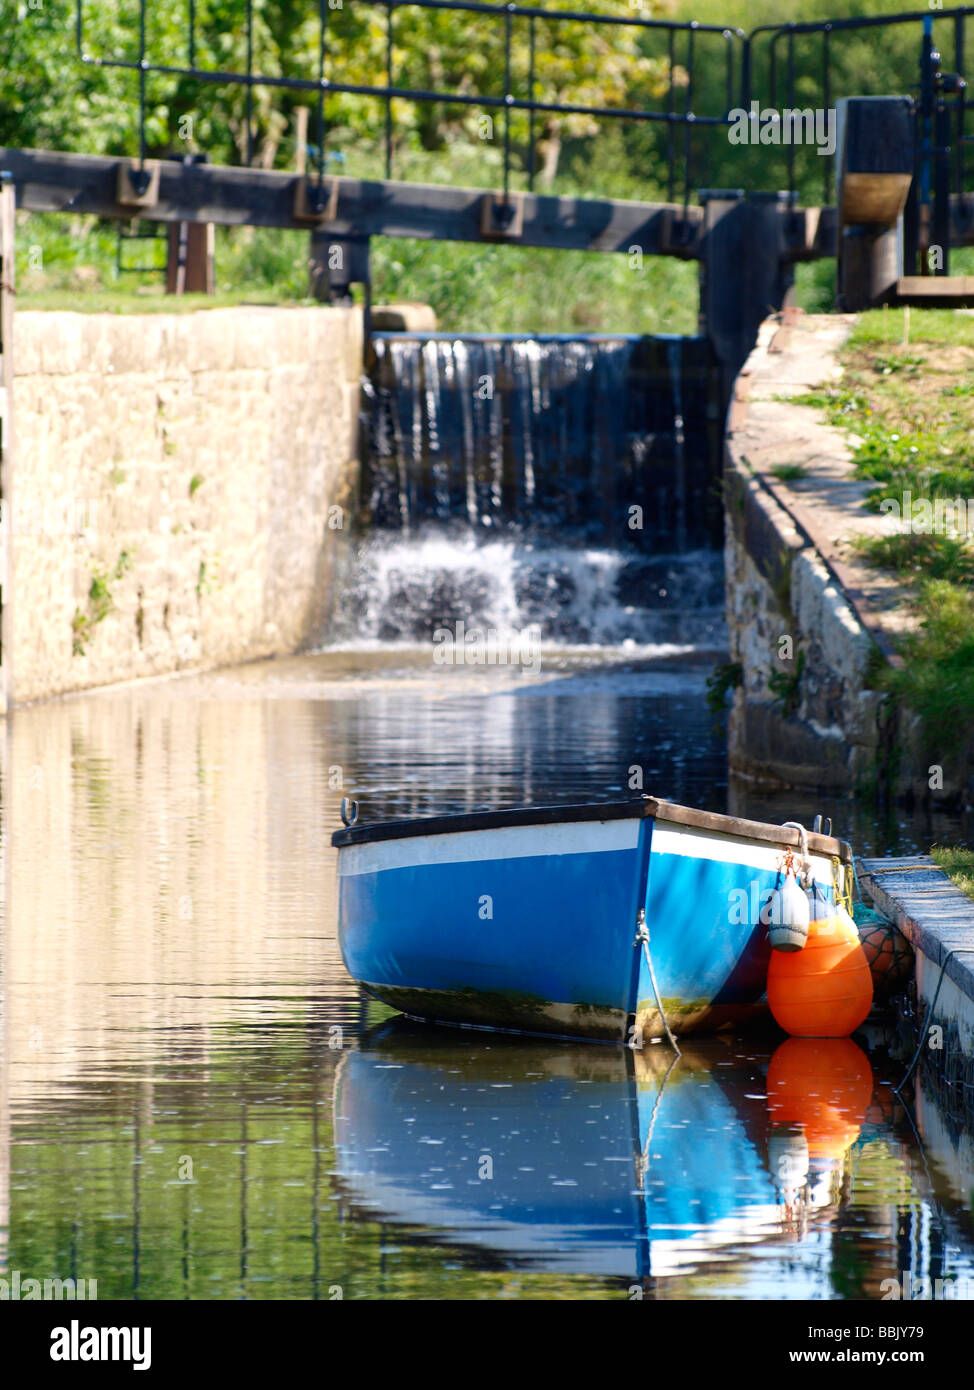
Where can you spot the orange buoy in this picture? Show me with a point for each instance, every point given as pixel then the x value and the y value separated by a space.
pixel 826 989
pixel 824 1085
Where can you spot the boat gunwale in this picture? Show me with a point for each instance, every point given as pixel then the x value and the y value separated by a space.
pixel 646 807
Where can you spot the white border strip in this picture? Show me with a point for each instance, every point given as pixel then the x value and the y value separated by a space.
pixel 564 838
pixel 504 842
pixel 692 843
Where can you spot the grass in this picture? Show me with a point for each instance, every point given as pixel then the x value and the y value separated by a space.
pixel 69 264
pixel 121 302
pixel 888 326
pixel 906 396
pixel 958 864
pixel 937 679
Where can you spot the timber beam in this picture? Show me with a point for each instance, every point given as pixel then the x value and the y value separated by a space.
pixel 56 182
pixel 49 181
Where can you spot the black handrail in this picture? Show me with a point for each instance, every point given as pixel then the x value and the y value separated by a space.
pixel 742 52
pixel 323 86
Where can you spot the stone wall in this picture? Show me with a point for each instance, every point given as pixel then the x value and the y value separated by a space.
pixel 803 713
pixel 807 711
pixel 778 587
pixel 175 487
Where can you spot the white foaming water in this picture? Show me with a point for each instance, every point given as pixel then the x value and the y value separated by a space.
pixel 399 590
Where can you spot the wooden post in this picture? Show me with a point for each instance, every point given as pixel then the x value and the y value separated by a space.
pixel 301 115
pixel 7 291
pixel 874 170
pixel 191 248
pixel 190 262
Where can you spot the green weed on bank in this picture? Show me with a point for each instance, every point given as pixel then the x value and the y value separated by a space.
pixel 907 400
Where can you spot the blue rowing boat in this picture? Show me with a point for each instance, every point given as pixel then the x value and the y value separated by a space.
pixel 554 920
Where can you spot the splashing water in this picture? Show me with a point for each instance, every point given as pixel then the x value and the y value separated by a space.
pixel 402 590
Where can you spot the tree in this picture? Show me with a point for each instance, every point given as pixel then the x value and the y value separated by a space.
pixel 49 97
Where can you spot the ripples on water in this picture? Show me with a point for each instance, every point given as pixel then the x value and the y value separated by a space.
pixel 196 1102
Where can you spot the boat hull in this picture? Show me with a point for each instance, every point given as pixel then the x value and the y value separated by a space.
pixel 532 927
pixel 513 927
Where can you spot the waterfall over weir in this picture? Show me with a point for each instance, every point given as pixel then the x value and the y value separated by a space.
pixel 563 482
pixel 550 434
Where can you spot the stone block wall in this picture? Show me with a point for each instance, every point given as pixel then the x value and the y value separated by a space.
pixel 810 714
pixel 175 486
pixel 778 587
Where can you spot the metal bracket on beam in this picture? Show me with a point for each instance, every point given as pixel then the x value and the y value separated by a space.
pixel 502 218
pixel 679 233
pixel 137 185
pixel 314 201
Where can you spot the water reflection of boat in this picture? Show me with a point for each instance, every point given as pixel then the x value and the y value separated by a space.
pixel 602 1161
pixel 536 919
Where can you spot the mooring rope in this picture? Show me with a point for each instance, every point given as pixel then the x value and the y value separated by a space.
pixel 803 850
pixel 642 936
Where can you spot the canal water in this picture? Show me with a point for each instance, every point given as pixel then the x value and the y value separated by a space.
pixel 196 1101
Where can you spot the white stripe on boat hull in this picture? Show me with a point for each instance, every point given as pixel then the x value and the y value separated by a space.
pixel 565 838
pixel 505 842
pixel 726 849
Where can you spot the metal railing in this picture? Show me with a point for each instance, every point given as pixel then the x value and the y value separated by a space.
pixel 681 43
pixel 782 67
pixel 765 65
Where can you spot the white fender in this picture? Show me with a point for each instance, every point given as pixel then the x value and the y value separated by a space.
pixel 786 915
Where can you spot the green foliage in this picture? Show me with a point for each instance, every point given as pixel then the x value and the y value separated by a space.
pixel 837 402
pixel 787 688
pixel 725 678
pixel 884 454
pixel 918 556
pixel 958 863
pixel 900 362
pixel 502 289
pixel 206 577
pixel 499 288
pixel 49 97
pixel 913 436
pixel 937 678
pixel 100 602
pixel 927 326
pixel 815 285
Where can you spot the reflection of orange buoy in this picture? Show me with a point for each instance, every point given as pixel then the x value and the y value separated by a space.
pixel 823 1084
pixel 826 989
